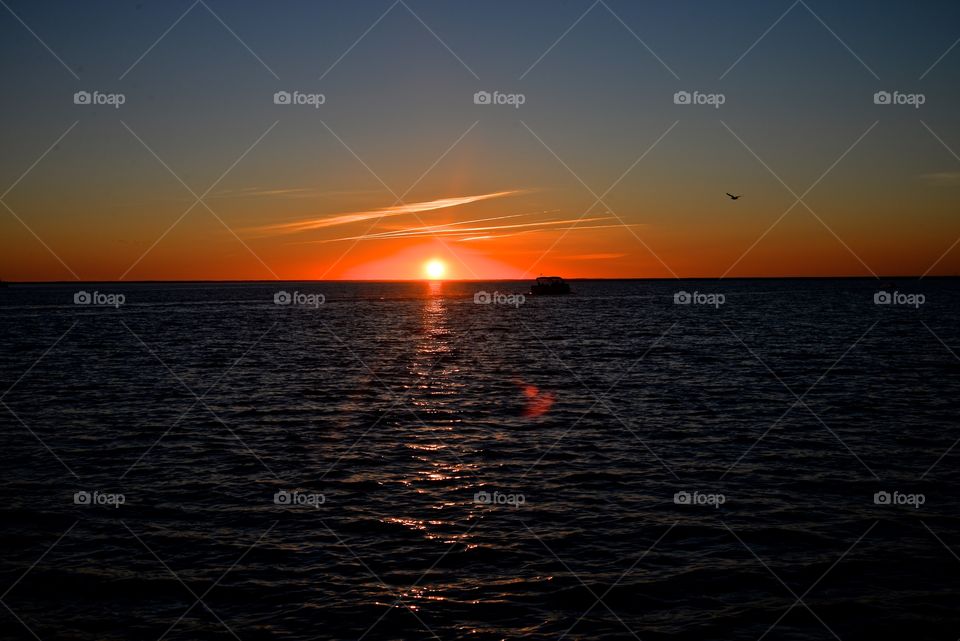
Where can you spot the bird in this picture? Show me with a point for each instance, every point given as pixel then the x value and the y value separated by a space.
pixel 732 197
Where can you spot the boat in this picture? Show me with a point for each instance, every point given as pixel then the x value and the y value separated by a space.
pixel 549 286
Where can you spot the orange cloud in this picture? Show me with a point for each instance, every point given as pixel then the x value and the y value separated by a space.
pixel 384 212
pixel 455 230
pixel 594 256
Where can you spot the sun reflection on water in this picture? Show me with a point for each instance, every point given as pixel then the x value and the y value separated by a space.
pixel 436 476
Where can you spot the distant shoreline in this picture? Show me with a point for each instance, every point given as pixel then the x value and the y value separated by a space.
pixel 469 280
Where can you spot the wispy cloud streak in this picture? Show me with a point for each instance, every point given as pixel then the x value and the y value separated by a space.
pixel 553 229
pixel 398 210
pixel 451 229
pixel 460 233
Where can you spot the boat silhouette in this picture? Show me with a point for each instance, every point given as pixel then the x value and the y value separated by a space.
pixel 549 286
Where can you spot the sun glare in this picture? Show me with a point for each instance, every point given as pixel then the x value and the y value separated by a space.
pixel 435 269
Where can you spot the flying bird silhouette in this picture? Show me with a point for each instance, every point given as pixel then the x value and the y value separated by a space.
pixel 732 197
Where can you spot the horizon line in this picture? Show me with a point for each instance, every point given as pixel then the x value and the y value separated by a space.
pixel 475 280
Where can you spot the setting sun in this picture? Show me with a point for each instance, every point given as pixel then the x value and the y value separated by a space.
pixel 435 269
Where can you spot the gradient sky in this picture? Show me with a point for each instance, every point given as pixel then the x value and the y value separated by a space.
pixel 496 190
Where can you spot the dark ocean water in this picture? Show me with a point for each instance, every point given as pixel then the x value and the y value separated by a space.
pixel 388 407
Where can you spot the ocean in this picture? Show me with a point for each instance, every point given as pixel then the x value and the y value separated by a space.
pixel 737 459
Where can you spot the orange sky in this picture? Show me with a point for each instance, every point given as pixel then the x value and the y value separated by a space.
pixel 505 234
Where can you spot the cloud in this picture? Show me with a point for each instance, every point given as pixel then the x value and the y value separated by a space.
pixel 594 256
pixel 255 191
pixel 943 178
pixel 458 231
pixel 575 227
pixel 384 212
pixel 292 192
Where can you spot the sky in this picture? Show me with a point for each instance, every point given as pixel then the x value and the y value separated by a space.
pixel 588 168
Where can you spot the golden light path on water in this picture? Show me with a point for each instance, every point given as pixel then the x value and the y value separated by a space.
pixel 437 462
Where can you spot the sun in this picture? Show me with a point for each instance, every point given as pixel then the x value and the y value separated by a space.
pixel 435 269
